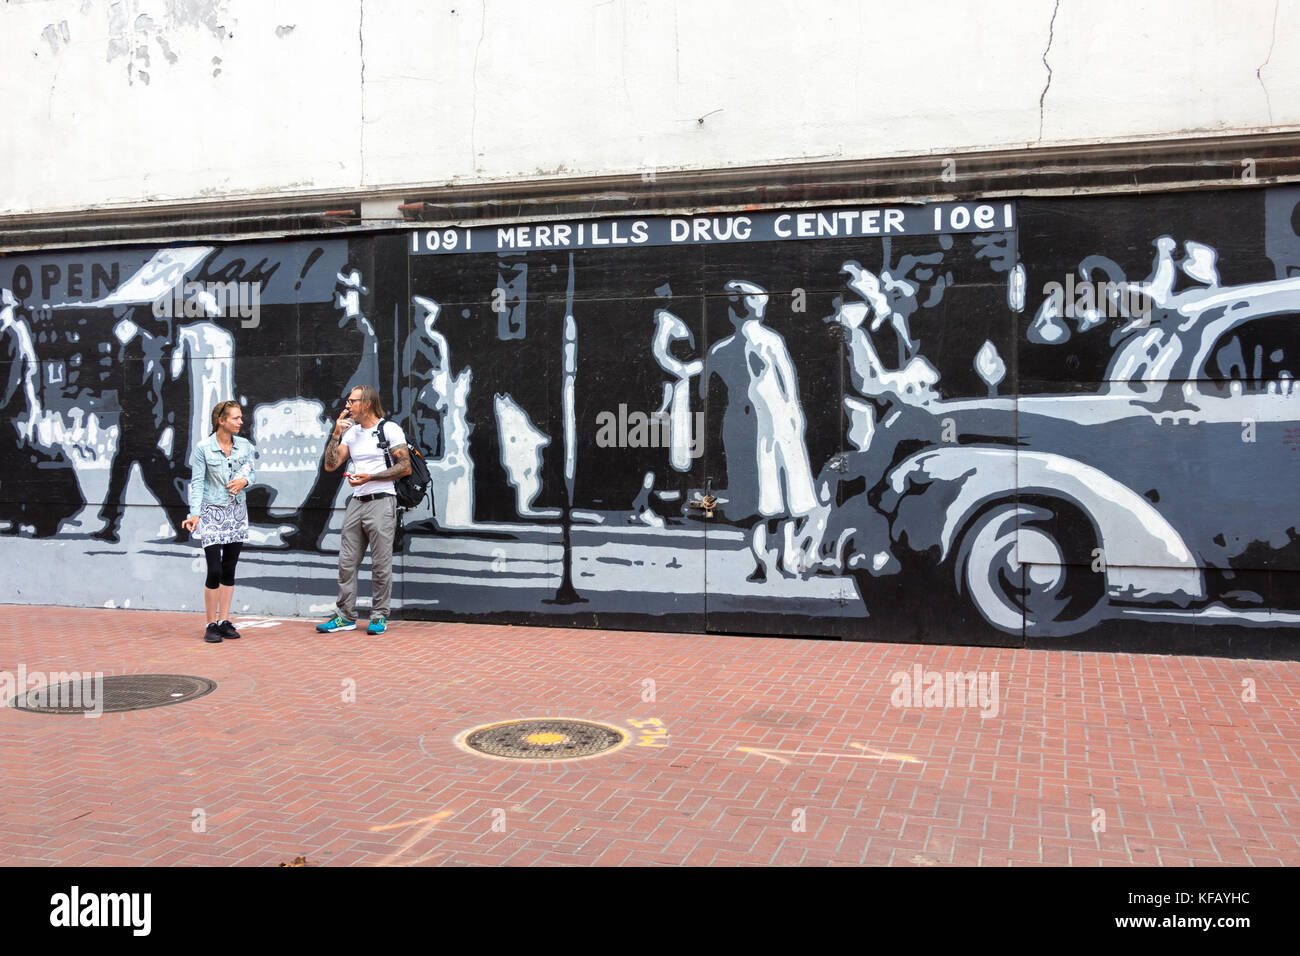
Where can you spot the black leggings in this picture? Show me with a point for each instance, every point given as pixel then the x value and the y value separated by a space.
pixel 221 564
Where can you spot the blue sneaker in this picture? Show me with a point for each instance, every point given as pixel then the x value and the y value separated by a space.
pixel 337 623
pixel 377 625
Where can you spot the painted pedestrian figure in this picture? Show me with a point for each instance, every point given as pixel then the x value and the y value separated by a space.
pixel 37 486
pixel 768 474
pixel 154 425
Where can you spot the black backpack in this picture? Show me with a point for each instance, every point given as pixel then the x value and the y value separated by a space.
pixel 411 488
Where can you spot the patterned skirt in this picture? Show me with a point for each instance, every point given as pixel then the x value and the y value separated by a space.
pixel 223 524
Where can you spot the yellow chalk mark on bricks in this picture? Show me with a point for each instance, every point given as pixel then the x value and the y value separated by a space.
pixel 771 754
pixel 441 815
pixel 886 755
pixel 447 683
pixel 429 824
pixel 873 754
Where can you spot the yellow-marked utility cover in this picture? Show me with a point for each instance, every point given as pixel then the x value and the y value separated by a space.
pixel 543 738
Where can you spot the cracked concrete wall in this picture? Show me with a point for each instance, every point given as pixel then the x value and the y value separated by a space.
pixel 134 101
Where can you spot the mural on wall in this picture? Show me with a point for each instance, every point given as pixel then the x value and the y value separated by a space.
pixel 978 422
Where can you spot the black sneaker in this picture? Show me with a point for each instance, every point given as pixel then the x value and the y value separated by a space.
pixel 228 630
pixel 213 634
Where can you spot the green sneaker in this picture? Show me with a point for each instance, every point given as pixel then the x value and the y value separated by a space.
pixel 337 623
pixel 377 625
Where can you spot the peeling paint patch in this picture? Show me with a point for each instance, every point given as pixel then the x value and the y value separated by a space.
pixel 209 14
pixel 57 37
pixel 284 31
pixel 132 40
pixel 166 48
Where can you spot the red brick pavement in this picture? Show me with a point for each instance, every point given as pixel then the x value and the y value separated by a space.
pixel 776 752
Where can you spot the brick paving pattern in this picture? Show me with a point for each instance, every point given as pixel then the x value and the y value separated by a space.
pixel 743 751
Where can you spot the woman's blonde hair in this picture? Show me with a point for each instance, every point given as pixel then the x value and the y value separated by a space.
pixel 220 412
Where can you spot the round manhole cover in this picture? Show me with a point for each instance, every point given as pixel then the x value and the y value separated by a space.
pixel 113 694
pixel 550 738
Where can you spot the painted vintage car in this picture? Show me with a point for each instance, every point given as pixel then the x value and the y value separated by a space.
pixel 1159 488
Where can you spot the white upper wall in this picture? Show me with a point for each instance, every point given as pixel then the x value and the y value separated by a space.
pixel 123 103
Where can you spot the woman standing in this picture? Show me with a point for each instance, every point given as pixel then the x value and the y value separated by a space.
pixel 221 468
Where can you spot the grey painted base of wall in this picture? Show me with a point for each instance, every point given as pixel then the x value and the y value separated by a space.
pixel 447 575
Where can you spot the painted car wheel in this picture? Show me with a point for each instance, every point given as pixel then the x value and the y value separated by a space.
pixel 1059 594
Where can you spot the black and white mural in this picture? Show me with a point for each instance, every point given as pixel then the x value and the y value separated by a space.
pixel 1051 421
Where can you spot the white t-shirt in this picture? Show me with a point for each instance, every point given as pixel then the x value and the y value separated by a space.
pixel 365 457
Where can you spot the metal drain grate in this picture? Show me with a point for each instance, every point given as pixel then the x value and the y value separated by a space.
pixel 545 739
pixel 114 694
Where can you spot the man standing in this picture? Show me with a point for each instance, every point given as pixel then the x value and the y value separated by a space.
pixel 371 515
pixel 314 512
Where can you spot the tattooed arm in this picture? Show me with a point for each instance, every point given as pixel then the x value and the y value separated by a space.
pixel 401 466
pixel 336 453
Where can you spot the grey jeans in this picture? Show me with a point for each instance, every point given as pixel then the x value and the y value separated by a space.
pixel 375 523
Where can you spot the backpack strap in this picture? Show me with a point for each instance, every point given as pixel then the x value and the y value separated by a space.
pixel 383 442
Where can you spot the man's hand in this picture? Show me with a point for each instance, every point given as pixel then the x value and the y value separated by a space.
pixel 335 454
pixel 401 456
pixel 357 480
pixel 343 423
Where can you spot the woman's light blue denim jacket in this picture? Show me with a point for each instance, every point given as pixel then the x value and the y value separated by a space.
pixel 210 470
